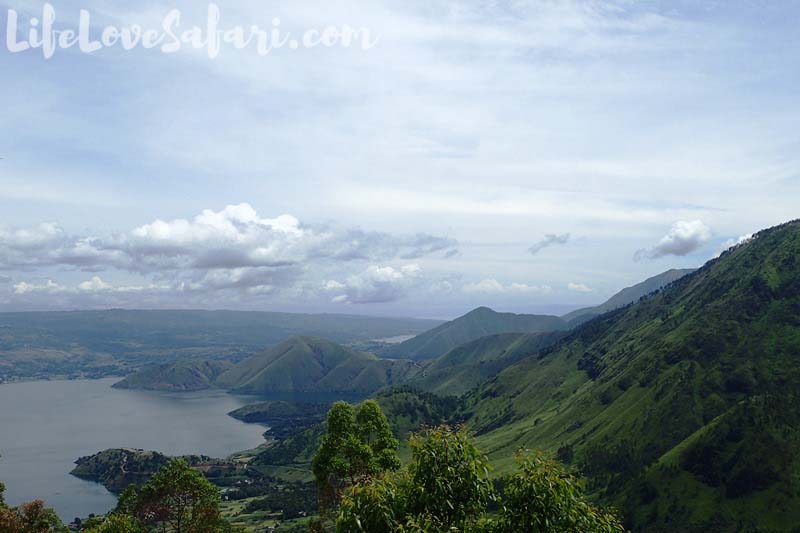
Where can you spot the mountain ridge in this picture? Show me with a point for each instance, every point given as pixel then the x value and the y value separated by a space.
pixel 675 398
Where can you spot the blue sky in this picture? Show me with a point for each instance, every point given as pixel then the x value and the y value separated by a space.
pixel 531 156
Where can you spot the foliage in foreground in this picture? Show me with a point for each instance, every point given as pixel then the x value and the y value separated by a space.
pixel 176 499
pixel 358 445
pixel 445 487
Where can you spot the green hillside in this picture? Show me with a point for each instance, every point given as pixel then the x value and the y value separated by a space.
pixel 627 296
pixel 180 376
pixel 477 323
pixel 466 366
pixel 305 364
pixel 407 409
pixel 680 409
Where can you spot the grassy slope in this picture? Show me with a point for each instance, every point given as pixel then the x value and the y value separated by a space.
pixel 623 392
pixel 180 376
pixel 466 366
pixel 307 364
pixel 476 324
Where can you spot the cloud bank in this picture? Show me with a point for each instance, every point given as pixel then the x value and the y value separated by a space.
pixel 233 249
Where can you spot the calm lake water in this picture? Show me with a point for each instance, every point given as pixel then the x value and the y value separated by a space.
pixel 46 425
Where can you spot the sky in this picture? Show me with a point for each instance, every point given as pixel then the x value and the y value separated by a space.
pixel 531 156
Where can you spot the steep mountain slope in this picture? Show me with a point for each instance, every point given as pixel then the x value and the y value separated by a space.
pixel 466 366
pixel 477 323
pixel 680 409
pixel 305 364
pixel 627 296
pixel 180 376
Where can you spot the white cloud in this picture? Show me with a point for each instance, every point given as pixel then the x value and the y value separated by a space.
pixel 579 287
pixel 96 284
pixel 230 249
pixel 683 238
pixel 549 240
pixel 49 286
pixel 488 286
pixel 377 284
pixel 492 286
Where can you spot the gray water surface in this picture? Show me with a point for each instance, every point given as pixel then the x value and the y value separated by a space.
pixel 46 425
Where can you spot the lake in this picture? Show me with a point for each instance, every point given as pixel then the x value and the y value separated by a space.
pixel 46 425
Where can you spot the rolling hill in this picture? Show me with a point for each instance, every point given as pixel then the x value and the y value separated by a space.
pixel 477 323
pixel 681 409
pixel 305 364
pixel 180 376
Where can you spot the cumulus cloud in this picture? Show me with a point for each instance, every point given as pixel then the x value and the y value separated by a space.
pixel 233 249
pixel 49 286
pixel 683 238
pixel 492 286
pixel 550 239
pixel 377 284
pixel 578 287
pixel 96 284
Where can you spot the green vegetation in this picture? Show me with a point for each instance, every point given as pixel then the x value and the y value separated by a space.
pixel 284 418
pixel 31 517
pixel 477 323
pixel 446 487
pixel 357 445
pixel 468 365
pixel 674 407
pixel 180 376
pixel 627 296
pixel 299 364
pixel 118 468
pixel 315 365
pixel 405 408
pixel 176 499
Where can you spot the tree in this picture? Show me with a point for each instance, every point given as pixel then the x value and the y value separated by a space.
pixel 116 523
pixel 541 497
pixel 358 445
pixel 177 498
pixel 445 486
pixel 31 517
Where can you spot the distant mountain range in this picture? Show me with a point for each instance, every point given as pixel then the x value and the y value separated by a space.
pixel 315 365
pixel 299 364
pixel 482 322
pixel 477 323
pixel 115 342
pixel 457 356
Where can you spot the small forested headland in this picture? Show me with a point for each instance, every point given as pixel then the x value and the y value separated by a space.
pixel 675 406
